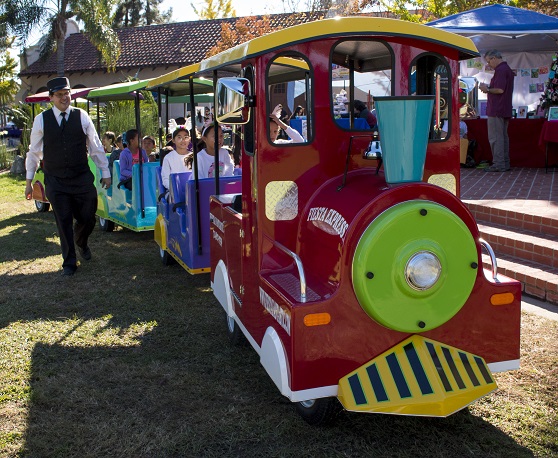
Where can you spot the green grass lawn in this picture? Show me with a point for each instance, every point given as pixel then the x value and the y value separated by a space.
pixel 131 359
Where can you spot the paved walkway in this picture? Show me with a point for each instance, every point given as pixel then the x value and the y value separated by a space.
pixel 544 309
pixel 524 190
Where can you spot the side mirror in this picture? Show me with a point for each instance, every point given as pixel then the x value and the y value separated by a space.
pixel 231 97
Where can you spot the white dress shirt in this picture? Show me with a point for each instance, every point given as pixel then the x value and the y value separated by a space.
pixel 94 146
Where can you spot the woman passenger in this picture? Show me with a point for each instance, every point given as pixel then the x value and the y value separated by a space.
pixel 206 157
pixel 177 160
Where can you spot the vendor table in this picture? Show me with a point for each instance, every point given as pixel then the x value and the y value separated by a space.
pixel 526 150
pixel 549 134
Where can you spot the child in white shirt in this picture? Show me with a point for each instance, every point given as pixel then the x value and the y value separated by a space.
pixel 206 157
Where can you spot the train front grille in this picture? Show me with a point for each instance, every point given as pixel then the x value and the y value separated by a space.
pixel 419 376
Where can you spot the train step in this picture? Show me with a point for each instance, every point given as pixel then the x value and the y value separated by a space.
pixel 521 218
pixel 537 280
pixel 525 245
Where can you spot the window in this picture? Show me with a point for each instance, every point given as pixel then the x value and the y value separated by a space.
pixel 289 79
pixel 430 75
pixel 360 70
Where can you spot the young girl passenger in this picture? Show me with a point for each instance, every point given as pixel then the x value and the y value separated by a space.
pixel 177 160
pixel 206 157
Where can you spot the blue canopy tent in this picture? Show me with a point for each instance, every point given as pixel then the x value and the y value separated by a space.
pixel 505 28
pixel 527 40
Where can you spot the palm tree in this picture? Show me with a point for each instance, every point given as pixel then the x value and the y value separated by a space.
pixel 21 17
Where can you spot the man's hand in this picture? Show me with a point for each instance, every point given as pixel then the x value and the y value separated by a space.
pixel 28 190
pixel 106 182
pixel 483 87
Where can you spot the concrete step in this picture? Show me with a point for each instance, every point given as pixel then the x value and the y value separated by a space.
pixel 537 280
pixel 524 245
pixel 526 219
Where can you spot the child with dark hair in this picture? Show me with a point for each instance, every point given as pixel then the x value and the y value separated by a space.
pixel 130 156
pixel 177 160
pixel 206 157
pixel 108 141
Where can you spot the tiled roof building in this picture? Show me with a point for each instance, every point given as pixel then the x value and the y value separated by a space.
pixel 146 52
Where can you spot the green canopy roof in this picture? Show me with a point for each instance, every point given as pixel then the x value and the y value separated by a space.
pixel 120 91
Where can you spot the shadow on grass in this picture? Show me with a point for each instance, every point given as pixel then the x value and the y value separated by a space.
pixel 139 365
pixel 195 396
pixel 29 238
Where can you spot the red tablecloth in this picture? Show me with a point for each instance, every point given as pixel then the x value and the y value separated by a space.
pixel 549 133
pixel 549 138
pixel 525 147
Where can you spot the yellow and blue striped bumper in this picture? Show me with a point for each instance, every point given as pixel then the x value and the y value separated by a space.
pixel 419 376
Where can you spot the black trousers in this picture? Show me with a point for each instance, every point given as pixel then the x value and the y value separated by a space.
pixel 72 198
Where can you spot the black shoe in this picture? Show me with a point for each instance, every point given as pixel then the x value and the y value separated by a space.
pixel 68 271
pixel 85 253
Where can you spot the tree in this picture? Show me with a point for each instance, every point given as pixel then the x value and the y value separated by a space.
pixel 133 13
pixel 328 7
pixel 245 29
pixel 215 9
pixel 20 17
pixel 8 86
pixel 429 10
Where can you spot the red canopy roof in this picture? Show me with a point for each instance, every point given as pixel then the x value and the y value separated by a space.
pixel 44 97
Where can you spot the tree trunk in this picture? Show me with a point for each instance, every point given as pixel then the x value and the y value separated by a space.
pixel 60 47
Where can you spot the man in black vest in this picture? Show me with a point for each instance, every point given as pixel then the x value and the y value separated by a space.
pixel 61 137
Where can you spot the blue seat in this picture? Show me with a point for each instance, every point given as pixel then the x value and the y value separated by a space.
pixel 178 182
pixel 161 190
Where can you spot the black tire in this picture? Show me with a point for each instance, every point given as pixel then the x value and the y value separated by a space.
pixel 106 225
pixel 319 412
pixel 42 206
pixel 166 258
pixel 234 332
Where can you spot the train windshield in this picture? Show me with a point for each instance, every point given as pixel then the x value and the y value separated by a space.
pixel 360 70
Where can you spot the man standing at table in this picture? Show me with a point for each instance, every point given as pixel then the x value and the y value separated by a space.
pixel 499 110
pixel 61 136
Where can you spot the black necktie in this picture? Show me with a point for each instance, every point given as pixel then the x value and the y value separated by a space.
pixel 63 123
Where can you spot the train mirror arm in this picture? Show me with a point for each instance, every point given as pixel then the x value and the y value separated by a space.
pixel 298 263
pixel 250 101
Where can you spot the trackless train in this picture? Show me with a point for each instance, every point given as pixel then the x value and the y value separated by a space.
pixel 356 276
pixel 352 284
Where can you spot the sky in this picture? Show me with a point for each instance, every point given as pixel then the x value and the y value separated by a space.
pixel 182 11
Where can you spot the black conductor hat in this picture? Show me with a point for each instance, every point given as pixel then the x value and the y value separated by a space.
pixel 57 84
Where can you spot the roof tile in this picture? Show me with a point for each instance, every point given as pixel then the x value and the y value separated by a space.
pixel 179 43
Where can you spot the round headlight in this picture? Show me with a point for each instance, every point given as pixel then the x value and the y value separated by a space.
pixel 423 270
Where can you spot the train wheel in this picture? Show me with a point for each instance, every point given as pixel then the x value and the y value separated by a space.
pixel 319 412
pixel 106 225
pixel 166 258
pixel 41 206
pixel 234 332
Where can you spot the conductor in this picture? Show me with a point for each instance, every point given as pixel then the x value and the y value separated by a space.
pixel 61 137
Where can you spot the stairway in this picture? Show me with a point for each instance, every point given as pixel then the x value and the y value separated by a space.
pixel 517 214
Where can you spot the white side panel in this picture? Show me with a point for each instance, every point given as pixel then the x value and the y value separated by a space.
pixel 274 361
pixel 221 287
pixel 503 366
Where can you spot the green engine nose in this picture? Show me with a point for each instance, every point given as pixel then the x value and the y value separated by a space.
pixel 414 266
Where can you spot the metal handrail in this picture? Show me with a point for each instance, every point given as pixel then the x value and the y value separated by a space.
pixel 490 251
pixel 299 266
